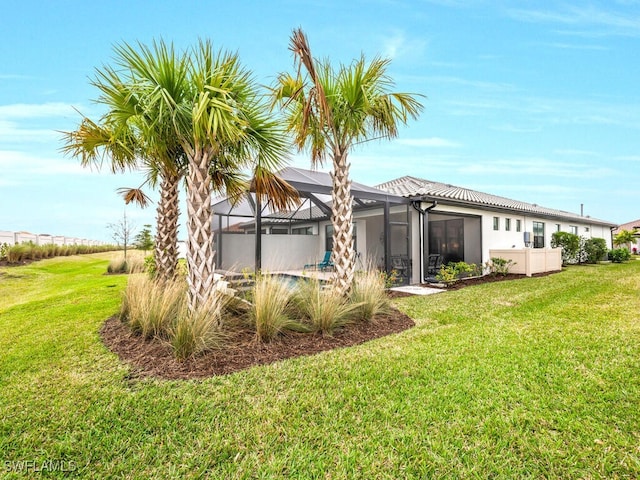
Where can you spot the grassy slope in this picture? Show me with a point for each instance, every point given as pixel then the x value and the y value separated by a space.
pixel 534 378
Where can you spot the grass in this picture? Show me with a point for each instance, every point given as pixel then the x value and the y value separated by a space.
pixel 535 378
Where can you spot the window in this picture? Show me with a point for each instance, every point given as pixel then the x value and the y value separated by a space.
pixel 507 224
pixel 586 229
pixel 518 226
pixel 328 241
pixel 302 231
pixel 279 230
pixel 538 235
pixel 496 223
pixel 573 229
pixel 558 227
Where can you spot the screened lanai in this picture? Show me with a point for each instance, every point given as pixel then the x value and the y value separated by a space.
pixel 251 235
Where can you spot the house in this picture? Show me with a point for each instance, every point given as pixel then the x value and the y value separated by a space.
pixel 397 225
pixel 633 227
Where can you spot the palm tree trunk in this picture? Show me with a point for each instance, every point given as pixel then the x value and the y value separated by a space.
pixel 166 247
pixel 342 219
pixel 200 253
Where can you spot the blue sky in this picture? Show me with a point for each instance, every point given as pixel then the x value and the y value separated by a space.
pixel 536 101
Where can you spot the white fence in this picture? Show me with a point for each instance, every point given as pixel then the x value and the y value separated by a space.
pixel 12 238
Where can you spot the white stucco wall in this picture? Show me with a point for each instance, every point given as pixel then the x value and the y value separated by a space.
pixel 512 239
pixel 7 237
pixel 502 239
pixel 11 238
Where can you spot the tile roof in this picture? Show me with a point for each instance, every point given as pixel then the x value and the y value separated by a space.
pixel 628 226
pixel 409 186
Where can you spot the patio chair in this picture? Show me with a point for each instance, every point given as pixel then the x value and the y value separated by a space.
pixel 324 264
pixel 435 262
pixel 402 266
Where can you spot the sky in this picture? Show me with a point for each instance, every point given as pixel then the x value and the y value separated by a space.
pixel 534 101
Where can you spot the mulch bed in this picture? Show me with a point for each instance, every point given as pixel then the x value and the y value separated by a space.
pixel 154 358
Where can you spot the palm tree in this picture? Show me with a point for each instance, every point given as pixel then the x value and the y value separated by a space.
pixel 624 238
pixel 135 133
pixel 222 128
pixel 329 111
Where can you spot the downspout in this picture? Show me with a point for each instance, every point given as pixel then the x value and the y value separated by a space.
pixel 258 239
pixel 416 205
pixel 611 229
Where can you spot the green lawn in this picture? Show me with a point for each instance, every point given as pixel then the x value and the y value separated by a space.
pixel 536 378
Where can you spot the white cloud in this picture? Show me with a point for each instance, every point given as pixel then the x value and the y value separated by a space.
pixel 399 45
pixel 514 129
pixel 434 142
pixel 447 79
pixel 629 158
pixel 575 152
pixel 15 164
pixel 29 110
pixel 12 76
pixel 10 132
pixel 610 22
pixel 570 46
pixel 541 167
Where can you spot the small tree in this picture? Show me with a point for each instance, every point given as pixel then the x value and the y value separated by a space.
pixel 570 244
pixel 595 249
pixel 122 232
pixel 144 240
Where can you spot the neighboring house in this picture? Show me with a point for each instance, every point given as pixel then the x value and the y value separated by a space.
pixel 631 226
pixel 397 224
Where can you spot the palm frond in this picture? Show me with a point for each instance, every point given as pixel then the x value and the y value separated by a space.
pixel 135 195
pixel 274 190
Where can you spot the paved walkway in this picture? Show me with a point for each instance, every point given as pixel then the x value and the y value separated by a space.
pixel 417 290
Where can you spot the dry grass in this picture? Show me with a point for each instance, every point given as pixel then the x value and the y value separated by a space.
pixel 369 294
pixel 134 263
pixel 199 331
pixel 324 310
pixel 150 307
pixel 271 304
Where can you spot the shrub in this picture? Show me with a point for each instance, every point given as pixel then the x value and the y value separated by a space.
pixel 268 314
pixel 595 249
pixel 389 278
pixel 453 271
pixel 325 310
pixel 570 244
pixel 619 255
pixel 368 293
pixel 151 307
pixel 498 266
pixel 150 266
pixel 3 251
pixel 193 333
